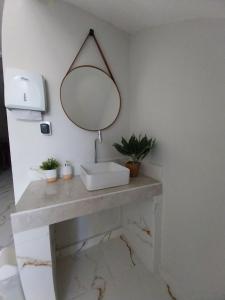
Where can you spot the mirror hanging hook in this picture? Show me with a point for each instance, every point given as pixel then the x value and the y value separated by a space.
pixel 91 32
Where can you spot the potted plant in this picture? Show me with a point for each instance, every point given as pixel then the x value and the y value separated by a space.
pixel 136 149
pixel 50 169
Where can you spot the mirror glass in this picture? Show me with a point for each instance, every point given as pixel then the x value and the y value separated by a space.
pixel 90 98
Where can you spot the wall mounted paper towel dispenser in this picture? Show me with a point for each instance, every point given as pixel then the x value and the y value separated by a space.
pixel 24 90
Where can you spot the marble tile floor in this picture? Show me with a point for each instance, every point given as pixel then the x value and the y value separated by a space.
pixel 6 207
pixel 107 271
pixel 10 287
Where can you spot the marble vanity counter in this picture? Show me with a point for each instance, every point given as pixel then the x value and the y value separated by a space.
pixel 45 204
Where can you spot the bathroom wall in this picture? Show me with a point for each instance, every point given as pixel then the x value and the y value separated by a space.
pixel 1 11
pixel 177 92
pixel 45 36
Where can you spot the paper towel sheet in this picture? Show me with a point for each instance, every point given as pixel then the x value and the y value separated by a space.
pixel 29 115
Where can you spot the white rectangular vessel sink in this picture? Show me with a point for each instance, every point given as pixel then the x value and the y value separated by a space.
pixel 104 175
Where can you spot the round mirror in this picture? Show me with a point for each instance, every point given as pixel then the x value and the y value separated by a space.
pixel 90 98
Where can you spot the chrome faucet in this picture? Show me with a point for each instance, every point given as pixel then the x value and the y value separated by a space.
pixel 99 139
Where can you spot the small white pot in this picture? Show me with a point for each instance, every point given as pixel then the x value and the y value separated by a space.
pixel 51 175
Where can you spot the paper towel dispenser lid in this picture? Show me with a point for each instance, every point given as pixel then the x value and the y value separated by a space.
pixel 24 90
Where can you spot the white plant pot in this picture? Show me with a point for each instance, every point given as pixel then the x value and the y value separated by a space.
pixel 51 175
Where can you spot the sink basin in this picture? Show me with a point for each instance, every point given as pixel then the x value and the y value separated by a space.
pixel 104 175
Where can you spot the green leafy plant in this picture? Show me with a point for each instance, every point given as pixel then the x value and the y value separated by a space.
pixel 50 164
pixel 136 148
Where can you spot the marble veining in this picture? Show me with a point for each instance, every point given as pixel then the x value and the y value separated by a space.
pixel 35 259
pixel 170 292
pixel 90 226
pixel 142 225
pixel 83 244
pixel 140 222
pixel 99 284
pixel 105 272
pixel 131 252
pixel 143 231
pixel 88 243
pixel 28 261
pixel 45 204
pixel 6 208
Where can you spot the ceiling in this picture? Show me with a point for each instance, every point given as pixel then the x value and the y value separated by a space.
pixel 134 15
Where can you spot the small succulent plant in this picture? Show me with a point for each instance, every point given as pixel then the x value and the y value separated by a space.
pixel 50 164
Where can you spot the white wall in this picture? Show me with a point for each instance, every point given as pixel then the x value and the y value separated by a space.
pixel 45 36
pixel 177 90
pixel 1 10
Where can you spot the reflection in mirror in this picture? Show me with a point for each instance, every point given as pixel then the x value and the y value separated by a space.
pixel 90 98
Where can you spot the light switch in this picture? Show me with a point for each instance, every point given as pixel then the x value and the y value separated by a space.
pixel 45 127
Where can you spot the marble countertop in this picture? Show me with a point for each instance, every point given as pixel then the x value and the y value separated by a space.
pixel 45 204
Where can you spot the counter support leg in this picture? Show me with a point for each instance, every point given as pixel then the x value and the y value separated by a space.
pixel 35 263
